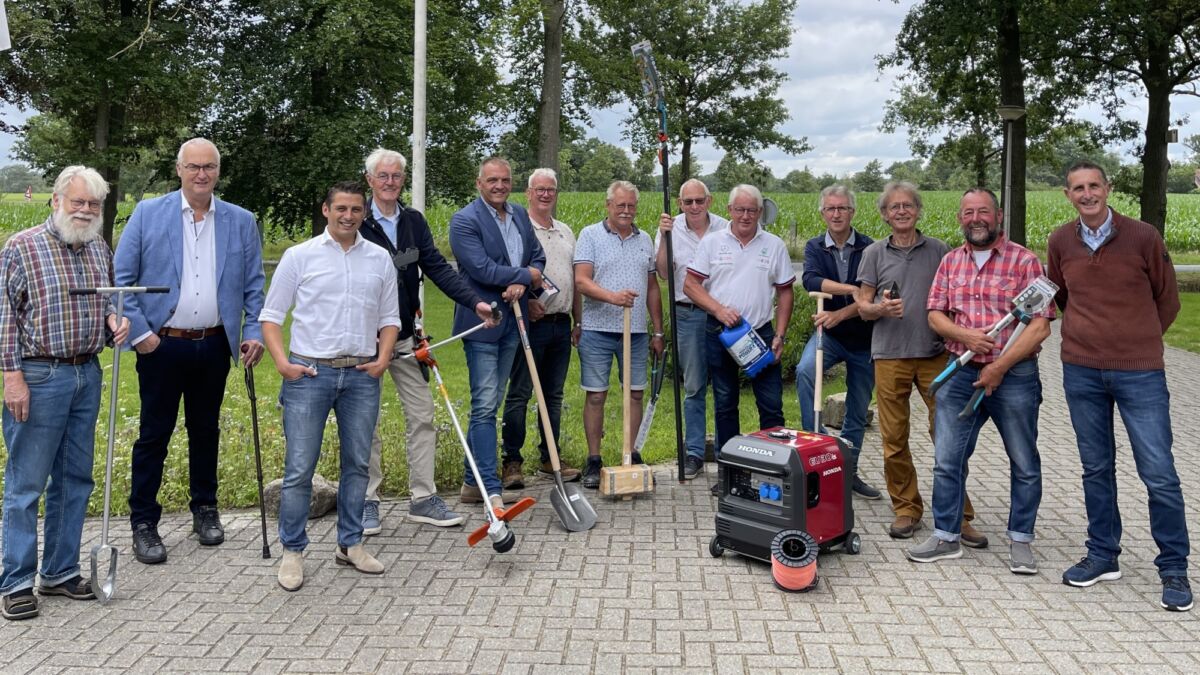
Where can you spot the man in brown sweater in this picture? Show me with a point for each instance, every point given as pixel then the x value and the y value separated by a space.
pixel 1118 296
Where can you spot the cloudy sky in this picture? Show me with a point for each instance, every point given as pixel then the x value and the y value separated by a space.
pixel 835 94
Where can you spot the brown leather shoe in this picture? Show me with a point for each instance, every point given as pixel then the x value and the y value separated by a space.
pixel 972 537
pixel 569 474
pixel 470 494
pixel 513 478
pixel 904 527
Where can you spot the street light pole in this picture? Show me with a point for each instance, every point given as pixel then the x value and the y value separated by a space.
pixel 1010 114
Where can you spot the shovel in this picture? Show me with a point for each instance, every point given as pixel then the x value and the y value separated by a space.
pixel 573 509
pixel 106 586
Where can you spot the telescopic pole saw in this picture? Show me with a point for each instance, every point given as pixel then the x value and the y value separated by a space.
pixel 653 88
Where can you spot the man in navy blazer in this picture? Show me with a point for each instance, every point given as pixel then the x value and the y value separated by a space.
pixel 500 257
pixel 209 254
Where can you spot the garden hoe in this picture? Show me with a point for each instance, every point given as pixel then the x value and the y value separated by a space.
pixel 106 586
pixel 569 503
pixel 497 518
pixel 629 479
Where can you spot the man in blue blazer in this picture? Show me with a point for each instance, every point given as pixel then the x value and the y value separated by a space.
pixel 209 254
pixel 500 257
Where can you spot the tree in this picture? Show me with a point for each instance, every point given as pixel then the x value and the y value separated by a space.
pixel 799 180
pixel 911 170
pixel 17 177
pixel 731 172
pixel 716 62
pixel 308 90
pixel 870 179
pixel 1192 143
pixel 110 77
pixel 597 164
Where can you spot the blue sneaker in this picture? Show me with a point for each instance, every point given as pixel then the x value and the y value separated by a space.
pixel 370 520
pixel 1089 571
pixel 1177 594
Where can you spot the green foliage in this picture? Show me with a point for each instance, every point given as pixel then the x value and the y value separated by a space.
pixel 1185 332
pixel 17 177
pixel 870 179
pixel 731 171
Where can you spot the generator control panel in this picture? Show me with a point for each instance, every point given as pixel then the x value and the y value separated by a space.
pixel 757 487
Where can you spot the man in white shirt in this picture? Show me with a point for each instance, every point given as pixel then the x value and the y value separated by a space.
pixel 687 229
pixel 344 328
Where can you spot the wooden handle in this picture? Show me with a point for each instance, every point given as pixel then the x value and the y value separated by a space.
pixel 820 364
pixel 626 389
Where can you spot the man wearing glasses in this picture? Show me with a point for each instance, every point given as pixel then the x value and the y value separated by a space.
pixel 208 252
pixel 403 232
pixel 895 276
pixel 614 269
pixel 740 273
pixel 831 263
pixel 687 229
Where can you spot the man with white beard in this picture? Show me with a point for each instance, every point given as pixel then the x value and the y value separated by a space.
pixel 48 346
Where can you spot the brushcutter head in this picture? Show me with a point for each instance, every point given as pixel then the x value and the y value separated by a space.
pixel 502 537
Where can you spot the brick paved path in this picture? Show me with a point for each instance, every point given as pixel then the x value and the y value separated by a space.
pixel 640 592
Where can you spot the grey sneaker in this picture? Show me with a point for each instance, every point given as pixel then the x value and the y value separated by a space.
pixel 434 511
pixel 371 524
pixel 1020 558
pixel 933 550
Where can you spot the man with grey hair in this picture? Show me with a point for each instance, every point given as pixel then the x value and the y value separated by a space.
pixel 687 229
pixel 614 269
pixel 405 235
pixel 743 272
pixel 831 263
pixel 553 326
pixel 208 252
pixel 894 277
pixel 52 380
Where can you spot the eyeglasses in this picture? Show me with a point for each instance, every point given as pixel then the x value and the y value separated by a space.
pixel 902 206
pixel 197 168
pixel 79 204
pixel 545 190
pixel 744 210
pixel 837 209
pixel 698 201
pixel 625 208
pixel 389 177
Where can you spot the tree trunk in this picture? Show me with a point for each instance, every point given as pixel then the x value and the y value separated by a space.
pixel 1158 120
pixel 1012 92
pixel 550 103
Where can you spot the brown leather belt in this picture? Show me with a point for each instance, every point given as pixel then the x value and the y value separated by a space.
pixel 65 360
pixel 190 333
pixel 337 362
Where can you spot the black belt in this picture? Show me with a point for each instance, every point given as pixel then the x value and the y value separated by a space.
pixel 77 360
pixel 190 333
pixel 557 317
pixel 680 303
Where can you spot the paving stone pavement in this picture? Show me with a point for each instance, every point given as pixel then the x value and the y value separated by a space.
pixel 640 592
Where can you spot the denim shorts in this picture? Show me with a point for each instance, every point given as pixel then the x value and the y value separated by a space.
pixel 598 349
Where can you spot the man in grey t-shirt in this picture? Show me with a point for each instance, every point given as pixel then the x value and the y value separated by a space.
pixel 895 275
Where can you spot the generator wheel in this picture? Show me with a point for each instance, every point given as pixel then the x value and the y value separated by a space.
pixel 853 543
pixel 714 548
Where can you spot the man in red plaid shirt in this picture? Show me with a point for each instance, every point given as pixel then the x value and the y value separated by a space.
pixel 973 289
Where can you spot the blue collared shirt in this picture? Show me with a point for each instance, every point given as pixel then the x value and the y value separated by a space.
pixel 842 255
pixel 1094 238
pixel 509 232
pixel 388 224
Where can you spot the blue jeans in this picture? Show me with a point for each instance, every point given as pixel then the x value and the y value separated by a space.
pixel 1144 402
pixel 489 365
pixel 860 382
pixel 55 443
pixel 1013 407
pixel 550 344
pixel 353 395
pixel 726 381
pixel 690 323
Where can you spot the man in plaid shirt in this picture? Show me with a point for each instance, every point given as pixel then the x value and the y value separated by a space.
pixel 973 289
pixel 48 346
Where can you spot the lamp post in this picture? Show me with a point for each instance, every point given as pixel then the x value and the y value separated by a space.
pixel 1010 114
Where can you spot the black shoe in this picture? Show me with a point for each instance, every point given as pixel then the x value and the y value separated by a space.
pixel 206 523
pixel 636 458
pixel 148 547
pixel 865 490
pixel 591 473
pixel 716 489
pixel 692 466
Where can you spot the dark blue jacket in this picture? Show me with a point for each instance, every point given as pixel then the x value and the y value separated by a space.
pixel 819 265
pixel 412 232
pixel 483 263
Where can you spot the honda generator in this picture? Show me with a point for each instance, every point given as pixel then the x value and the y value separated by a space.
pixel 783 479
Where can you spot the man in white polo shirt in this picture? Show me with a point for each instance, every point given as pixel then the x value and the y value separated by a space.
pixel 614 269
pixel 740 273
pixel 687 229
pixel 344 327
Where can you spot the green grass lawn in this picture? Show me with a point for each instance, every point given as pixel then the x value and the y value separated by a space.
pixel 1185 332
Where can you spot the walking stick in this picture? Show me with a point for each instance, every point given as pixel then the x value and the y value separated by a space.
pixel 652 86
pixel 262 506
pixel 106 587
